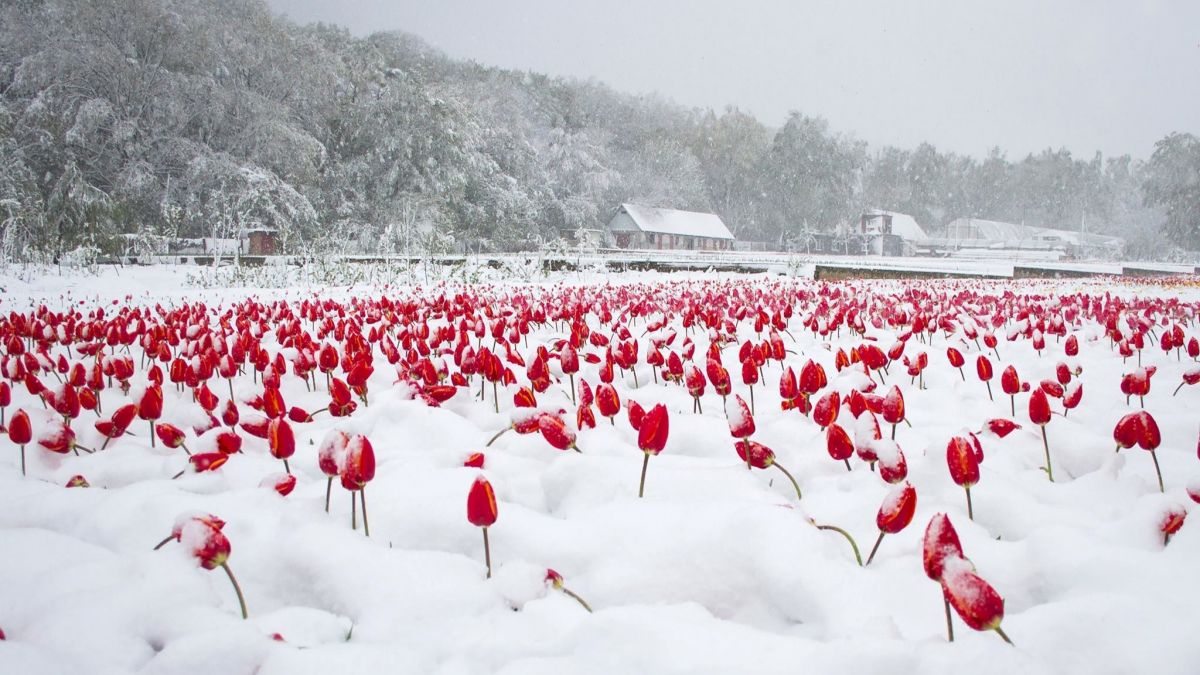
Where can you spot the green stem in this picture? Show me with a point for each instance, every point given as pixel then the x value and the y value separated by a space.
pixel 791 478
pixel 577 599
pixel 487 553
pixel 1158 471
pixel 493 438
pixel 1046 445
pixel 949 623
pixel 354 509
pixel 875 548
pixel 22 459
pixel 328 490
pixel 236 589
pixel 853 544
pixel 164 542
pixel 363 502
pixel 642 482
pixel 1000 632
pixel 970 508
pixel 287 468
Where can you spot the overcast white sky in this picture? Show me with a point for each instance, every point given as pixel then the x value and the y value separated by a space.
pixel 965 75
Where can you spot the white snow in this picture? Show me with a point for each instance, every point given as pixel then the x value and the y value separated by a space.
pixel 717 570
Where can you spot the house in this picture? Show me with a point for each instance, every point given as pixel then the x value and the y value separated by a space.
pixel 963 234
pixel 881 232
pixel 648 227
pixel 262 240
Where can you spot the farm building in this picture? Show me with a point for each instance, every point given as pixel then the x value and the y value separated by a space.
pixel 634 226
pixel 967 235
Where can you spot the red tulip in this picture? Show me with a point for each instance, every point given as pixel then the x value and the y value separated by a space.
pixel 229 443
pixel 281 441
pixel 957 361
pixel 964 467
pixel 1001 427
pixel 356 469
pixel 556 432
pixel 482 512
pixel 893 408
pixel 895 514
pixel 171 436
pixel 210 547
pixel 739 417
pixel 474 460
pixel 977 603
pixel 652 438
pixel 282 483
pixel 607 401
pixel 893 468
pixel 556 582
pixel 760 456
pixel 983 368
pixel 825 411
pixel 20 432
pixel 838 443
pixel 940 543
pixel 1171 522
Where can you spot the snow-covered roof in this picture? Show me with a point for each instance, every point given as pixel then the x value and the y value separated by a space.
pixel 978 228
pixel 672 221
pixel 904 225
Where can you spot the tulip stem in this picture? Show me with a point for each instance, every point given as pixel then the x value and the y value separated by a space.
pixel 22 459
pixel 164 542
pixel 642 482
pixel 1046 445
pixel 363 501
pixel 787 473
pixel 875 548
pixel 287 468
pixel 353 510
pixel 949 622
pixel 328 490
pixel 178 474
pixel 572 376
pixel 989 386
pixel 487 553
pixel 577 599
pixel 1000 632
pixel 491 440
pixel 847 461
pixel 152 433
pixel 853 544
pixel 236 589
pixel 751 399
pixel 970 508
pixel 1158 471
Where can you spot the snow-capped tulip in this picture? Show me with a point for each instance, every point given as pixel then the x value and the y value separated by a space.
pixel 825 411
pixel 964 467
pixel 1000 427
pixel 210 548
pixel 1171 521
pixel 760 456
pixel 893 468
pixel 940 543
pixel 282 483
pixel 329 457
pixel 556 582
pixel 557 433
pixel 357 468
pixel 893 408
pixel 482 512
pixel 78 481
pixel 739 417
pixel 895 514
pixel 977 603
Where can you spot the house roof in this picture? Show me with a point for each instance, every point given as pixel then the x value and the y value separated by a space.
pixel 671 221
pixel 904 225
pixel 997 230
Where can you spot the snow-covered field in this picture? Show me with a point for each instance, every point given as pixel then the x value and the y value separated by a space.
pixel 716 570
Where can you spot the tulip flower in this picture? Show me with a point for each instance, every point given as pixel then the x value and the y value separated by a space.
pixel 1171 522
pixel 895 514
pixel 964 467
pixel 652 438
pixel 957 361
pixel 171 436
pixel 356 470
pixel 482 512
pixel 1001 427
pixel 1141 429
pixel 695 382
pixel 977 603
pixel 20 432
pixel 78 481
pixel 838 443
pixel 474 460
pixel 893 468
pixel 740 419
pixel 893 408
pixel 556 582
pixel 5 401
pixel 557 433
pixel 283 483
pixel 760 456
pixel 940 543
pixel 281 441
pixel 983 368
pixel 1039 414
pixel 150 408
pixel 1190 377
pixel 329 458
pixel 825 411
pixel 209 546
pixel 204 461
pixel 608 402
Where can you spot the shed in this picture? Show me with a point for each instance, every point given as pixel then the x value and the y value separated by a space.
pixel 262 241
pixel 635 226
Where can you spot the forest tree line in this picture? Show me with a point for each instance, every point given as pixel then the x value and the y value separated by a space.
pixel 201 118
